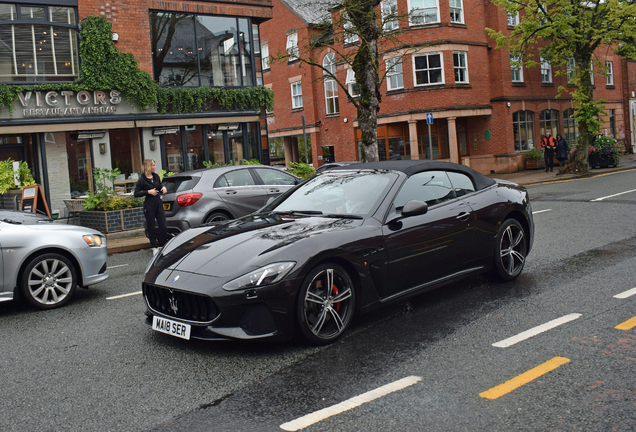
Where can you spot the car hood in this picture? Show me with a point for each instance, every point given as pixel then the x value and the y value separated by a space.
pixel 49 227
pixel 238 246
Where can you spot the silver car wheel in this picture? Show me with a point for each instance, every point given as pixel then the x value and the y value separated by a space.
pixel 512 249
pixel 327 304
pixel 49 281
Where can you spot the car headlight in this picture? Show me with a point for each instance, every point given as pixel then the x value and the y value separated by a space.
pixel 267 275
pixel 93 240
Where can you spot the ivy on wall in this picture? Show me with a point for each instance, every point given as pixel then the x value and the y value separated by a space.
pixel 104 67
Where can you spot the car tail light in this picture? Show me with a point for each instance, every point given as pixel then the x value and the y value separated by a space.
pixel 188 199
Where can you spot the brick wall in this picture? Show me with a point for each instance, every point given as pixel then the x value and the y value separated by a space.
pixel 490 87
pixel 130 19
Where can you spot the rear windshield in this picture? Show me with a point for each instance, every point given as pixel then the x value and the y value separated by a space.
pixel 179 183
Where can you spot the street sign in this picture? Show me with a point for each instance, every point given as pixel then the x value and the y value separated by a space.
pixel 429 118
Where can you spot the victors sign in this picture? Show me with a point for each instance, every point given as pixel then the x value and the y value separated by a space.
pixel 68 103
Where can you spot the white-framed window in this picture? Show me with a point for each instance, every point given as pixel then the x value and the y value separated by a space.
pixel 331 88
pixel 352 85
pixel 297 95
pixel 428 69
pixel 592 72
pixel 292 45
pixel 609 67
pixel 570 68
pixel 423 11
pixel 265 56
pixel 516 67
pixel 513 19
pixel 350 35
pixel 461 67
pixel 389 14
pixel 546 71
pixel 394 78
pixel 456 12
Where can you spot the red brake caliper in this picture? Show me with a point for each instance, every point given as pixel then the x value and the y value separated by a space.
pixel 334 293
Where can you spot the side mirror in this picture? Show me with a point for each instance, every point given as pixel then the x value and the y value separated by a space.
pixel 411 208
pixel 414 208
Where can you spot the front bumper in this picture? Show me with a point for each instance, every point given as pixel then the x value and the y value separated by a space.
pixel 93 263
pixel 264 313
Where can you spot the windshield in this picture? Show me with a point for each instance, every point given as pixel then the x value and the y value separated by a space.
pixel 338 192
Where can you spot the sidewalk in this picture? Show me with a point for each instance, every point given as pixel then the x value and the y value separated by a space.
pixel 133 240
pixel 528 177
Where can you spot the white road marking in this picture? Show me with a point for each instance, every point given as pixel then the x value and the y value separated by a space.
pixel 541 211
pixel 120 265
pixel 315 417
pixel 626 294
pixel 536 330
pixel 611 196
pixel 123 295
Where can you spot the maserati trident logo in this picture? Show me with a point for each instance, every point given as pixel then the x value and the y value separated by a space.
pixel 173 304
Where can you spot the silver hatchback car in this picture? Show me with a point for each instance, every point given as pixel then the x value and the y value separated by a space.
pixel 44 263
pixel 208 195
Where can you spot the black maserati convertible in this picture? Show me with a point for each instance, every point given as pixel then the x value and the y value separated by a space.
pixel 343 242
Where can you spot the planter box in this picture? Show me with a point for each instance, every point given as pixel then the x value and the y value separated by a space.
pixel 596 160
pixel 532 163
pixel 11 199
pixel 114 220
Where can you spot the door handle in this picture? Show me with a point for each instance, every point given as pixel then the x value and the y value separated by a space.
pixel 274 190
pixel 230 192
pixel 463 216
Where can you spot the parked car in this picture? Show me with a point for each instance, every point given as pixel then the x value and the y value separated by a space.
pixel 208 195
pixel 23 217
pixel 347 240
pixel 43 263
pixel 332 165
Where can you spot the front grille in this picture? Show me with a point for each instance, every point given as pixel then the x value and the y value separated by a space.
pixel 178 304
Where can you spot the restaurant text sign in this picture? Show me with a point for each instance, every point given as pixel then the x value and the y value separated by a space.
pixel 68 103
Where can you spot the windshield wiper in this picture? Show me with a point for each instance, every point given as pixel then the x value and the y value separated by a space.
pixel 343 216
pixel 11 221
pixel 294 212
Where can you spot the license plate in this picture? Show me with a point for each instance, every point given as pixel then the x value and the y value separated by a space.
pixel 171 327
pixel 166 206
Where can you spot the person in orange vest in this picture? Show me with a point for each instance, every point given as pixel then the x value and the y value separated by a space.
pixel 548 143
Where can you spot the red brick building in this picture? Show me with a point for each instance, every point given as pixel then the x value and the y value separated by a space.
pixel 64 134
pixel 487 111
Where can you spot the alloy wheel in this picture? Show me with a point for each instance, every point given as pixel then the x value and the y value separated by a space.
pixel 50 281
pixel 328 304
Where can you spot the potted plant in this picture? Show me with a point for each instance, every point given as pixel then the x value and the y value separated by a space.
pixel 606 151
pixel 10 193
pixel 105 210
pixel 534 159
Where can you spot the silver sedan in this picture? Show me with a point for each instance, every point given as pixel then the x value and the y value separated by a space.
pixel 44 263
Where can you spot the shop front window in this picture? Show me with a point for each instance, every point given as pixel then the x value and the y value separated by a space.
pixel 194 147
pixel 235 144
pixel 174 152
pixel 79 163
pixel 216 149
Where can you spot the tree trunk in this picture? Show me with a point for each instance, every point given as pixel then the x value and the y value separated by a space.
pixel 366 68
pixel 586 114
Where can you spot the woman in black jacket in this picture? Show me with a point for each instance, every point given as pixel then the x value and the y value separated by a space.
pixel 149 186
pixel 562 150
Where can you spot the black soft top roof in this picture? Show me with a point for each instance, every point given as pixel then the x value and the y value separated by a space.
pixel 410 167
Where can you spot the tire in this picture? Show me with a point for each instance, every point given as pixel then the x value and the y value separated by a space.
pixel 216 217
pixel 510 250
pixel 49 281
pixel 321 319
